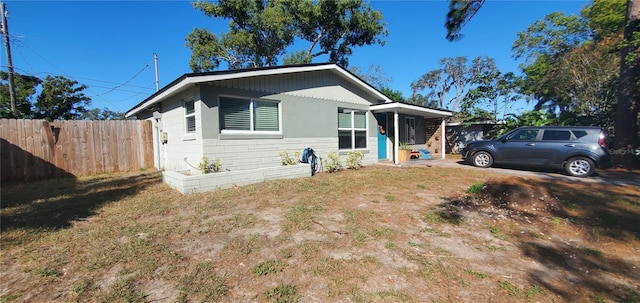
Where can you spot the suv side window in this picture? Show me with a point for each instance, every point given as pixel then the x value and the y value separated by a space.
pixel 556 135
pixel 524 135
pixel 579 133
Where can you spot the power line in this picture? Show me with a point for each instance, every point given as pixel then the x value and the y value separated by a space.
pixel 32 73
pixel 95 94
pixel 26 72
pixel 134 76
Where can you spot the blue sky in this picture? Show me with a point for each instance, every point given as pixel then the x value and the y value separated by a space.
pixel 109 45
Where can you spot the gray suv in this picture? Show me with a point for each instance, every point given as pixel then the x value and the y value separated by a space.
pixel 577 150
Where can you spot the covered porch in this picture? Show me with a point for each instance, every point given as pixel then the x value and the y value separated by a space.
pixel 416 126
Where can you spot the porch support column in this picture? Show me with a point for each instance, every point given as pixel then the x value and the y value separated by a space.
pixel 442 136
pixel 396 137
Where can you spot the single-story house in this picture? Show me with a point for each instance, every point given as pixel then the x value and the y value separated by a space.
pixel 246 117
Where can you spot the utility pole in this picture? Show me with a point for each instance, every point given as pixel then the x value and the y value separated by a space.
pixel 5 32
pixel 155 61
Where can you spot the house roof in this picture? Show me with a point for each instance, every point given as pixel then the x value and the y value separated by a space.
pixel 410 109
pixel 191 79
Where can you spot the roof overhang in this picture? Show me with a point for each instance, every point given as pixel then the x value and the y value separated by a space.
pixel 188 80
pixel 410 109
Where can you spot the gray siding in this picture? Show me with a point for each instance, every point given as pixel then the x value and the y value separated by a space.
pixel 318 85
pixel 309 105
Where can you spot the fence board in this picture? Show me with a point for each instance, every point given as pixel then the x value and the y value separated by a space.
pixel 33 149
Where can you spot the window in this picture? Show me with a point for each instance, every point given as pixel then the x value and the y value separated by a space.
pixel 556 135
pixel 190 116
pixel 246 115
pixel 352 129
pixel 410 126
pixel 579 133
pixel 524 135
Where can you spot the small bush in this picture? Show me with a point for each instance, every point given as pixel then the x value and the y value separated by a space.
pixel 354 159
pixel 334 163
pixel 207 166
pixel 475 188
pixel 287 160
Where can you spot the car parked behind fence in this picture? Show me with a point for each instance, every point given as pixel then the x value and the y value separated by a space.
pixel 578 150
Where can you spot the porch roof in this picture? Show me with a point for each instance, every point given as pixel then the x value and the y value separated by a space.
pixel 410 109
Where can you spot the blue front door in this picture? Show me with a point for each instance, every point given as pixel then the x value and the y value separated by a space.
pixel 382 135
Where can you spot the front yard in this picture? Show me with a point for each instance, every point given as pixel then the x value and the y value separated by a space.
pixel 378 234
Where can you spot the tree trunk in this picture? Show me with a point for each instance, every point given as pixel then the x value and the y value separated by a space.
pixel 626 123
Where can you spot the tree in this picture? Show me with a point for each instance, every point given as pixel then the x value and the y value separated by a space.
pixel 261 31
pixel 423 100
pixel 25 90
pixel 61 99
pixel 567 70
pixel 102 114
pixel 588 76
pixel 526 118
pixel 393 94
pixel 460 13
pixel 492 97
pixel 454 74
pixel 374 75
pixel 335 26
pixel 626 123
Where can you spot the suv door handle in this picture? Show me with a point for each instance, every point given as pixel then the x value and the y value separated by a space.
pixel 570 145
pixel 530 144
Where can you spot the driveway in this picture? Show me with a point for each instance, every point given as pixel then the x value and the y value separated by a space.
pixel 618 177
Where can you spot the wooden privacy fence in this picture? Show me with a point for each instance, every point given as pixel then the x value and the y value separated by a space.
pixel 33 149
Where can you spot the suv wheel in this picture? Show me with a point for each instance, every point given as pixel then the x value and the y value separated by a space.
pixel 579 167
pixel 482 159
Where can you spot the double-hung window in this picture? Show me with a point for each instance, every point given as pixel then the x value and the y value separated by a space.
pixel 247 115
pixel 352 129
pixel 190 116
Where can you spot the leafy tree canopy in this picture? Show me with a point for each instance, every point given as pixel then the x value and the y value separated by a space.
pixel 25 89
pixel 373 75
pixel 460 13
pixel 449 84
pixel 260 32
pixel 393 94
pixel 573 65
pixel 102 114
pixel 61 99
pixel 58 98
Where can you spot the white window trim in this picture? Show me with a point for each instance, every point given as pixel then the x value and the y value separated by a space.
pixel 188 115
pixel 353 129
pixel 251 126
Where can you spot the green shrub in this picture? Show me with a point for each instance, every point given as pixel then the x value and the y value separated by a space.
pixel 207 166
pixel 287 160
pixel 333 163
pixel 475 188
pixel 354 159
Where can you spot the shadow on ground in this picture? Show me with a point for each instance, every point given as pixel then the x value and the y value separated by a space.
pixel 54 204
pixel 591 232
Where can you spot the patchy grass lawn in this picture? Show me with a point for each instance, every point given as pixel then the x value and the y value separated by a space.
pixel 378 234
